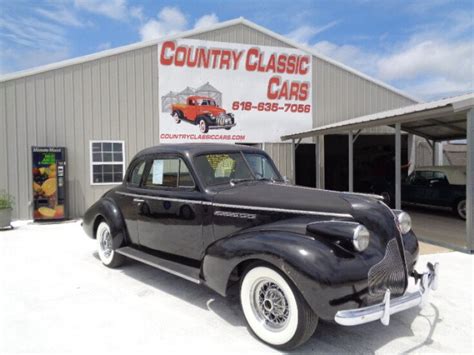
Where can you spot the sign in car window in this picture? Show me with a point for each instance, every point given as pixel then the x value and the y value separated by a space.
pixel 157 170
pixel 229 92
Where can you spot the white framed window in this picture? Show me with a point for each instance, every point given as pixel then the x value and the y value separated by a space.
pixel 107 162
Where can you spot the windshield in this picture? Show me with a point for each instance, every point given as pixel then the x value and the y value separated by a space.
pixel 207 102
pixel 261 166
pixel 222 168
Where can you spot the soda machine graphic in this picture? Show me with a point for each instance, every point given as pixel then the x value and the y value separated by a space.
pixel 49 183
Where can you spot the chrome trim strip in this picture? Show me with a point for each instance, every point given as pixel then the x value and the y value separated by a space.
pixel 144 261
pixel 275 209
pixel 198 202
pixel 223 126
pixel 253 208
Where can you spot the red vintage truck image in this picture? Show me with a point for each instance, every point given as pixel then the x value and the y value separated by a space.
pixel 204 112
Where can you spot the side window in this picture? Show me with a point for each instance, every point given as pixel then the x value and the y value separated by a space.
pixel 171 172
pixel 137 173
pixel 418 178
pixel 427 175
pixel 440 175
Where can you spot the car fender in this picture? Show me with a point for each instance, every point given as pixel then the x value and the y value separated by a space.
pixel 321 273
pixel 205 117
pixel 107 209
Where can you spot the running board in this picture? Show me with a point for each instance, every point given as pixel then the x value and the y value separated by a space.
pixel 186 272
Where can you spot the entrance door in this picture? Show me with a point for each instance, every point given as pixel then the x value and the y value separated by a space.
pixel 305 165
pixel 128 204
pixel 171 212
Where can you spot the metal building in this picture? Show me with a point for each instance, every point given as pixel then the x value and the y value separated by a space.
pixel 113 95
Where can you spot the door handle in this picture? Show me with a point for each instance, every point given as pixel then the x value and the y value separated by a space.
pixel 138 200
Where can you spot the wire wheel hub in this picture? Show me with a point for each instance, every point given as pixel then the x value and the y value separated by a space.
pixel 270 304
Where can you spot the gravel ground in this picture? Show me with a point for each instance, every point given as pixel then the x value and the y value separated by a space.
pixel 56 297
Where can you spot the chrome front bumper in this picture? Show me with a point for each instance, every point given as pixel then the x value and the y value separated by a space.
pixel 222 126
pixel 383 311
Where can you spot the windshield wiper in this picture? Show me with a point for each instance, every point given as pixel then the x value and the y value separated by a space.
pixel 236 181
pixel 266 179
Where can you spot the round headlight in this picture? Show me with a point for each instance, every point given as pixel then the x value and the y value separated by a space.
pixel 404 221
pixel 361 238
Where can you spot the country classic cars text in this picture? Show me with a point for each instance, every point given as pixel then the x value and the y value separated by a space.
pixel 254 60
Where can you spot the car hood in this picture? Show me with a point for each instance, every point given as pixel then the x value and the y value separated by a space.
pixel 284 196
pixel 214 110
pixel 366 209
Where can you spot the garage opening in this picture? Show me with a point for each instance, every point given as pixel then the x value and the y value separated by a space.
pixel 305 165
pixel 354 162
pixel 374 162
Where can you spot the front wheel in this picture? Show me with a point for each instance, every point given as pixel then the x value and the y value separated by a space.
pixel 203 127
pixel 107 254
pixel 274 309
pixel 460 209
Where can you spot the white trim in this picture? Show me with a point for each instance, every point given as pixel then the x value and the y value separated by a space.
pixel 92 163
pixel 245 207
pixel 158 198
pixel 185 34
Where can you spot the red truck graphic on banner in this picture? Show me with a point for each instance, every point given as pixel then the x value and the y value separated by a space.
pixel 204 112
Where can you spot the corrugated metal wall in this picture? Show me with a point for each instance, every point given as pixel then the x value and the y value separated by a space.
pixel 282 155
pixel 339 95
pixel 113 98
pixel 116 98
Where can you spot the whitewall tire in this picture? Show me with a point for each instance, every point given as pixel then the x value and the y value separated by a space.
pixel 274 309
pixel 107 254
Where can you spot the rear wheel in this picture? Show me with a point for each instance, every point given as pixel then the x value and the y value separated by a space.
pixel 274 309
pixel 460 209
pixel 107 254
pixel 177 117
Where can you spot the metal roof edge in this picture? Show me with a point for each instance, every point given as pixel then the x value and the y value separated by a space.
pixel 239 20
pixel 465 101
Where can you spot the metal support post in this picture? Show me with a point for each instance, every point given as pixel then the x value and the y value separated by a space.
pixel 470 181
pixel 351 161
pixel 398 167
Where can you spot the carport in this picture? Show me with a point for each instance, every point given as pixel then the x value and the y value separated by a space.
pixel 437 121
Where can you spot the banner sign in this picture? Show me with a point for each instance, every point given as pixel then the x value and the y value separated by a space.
pixel 234 93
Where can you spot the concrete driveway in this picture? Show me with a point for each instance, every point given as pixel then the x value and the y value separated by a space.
pixel 56 297
pixel 438 226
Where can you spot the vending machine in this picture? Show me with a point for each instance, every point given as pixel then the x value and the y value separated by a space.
pixel 49 183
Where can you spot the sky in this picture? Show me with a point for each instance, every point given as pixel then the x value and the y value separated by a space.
pixel 424 47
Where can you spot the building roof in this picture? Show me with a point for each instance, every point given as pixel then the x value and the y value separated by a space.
pixel 207 87
pixel 436 120
pixel 220 25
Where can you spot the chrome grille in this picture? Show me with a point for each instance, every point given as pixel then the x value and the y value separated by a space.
pixel 389 273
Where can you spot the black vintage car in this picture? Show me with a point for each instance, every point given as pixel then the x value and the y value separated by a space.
pixel 222 215
pixel 431 186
